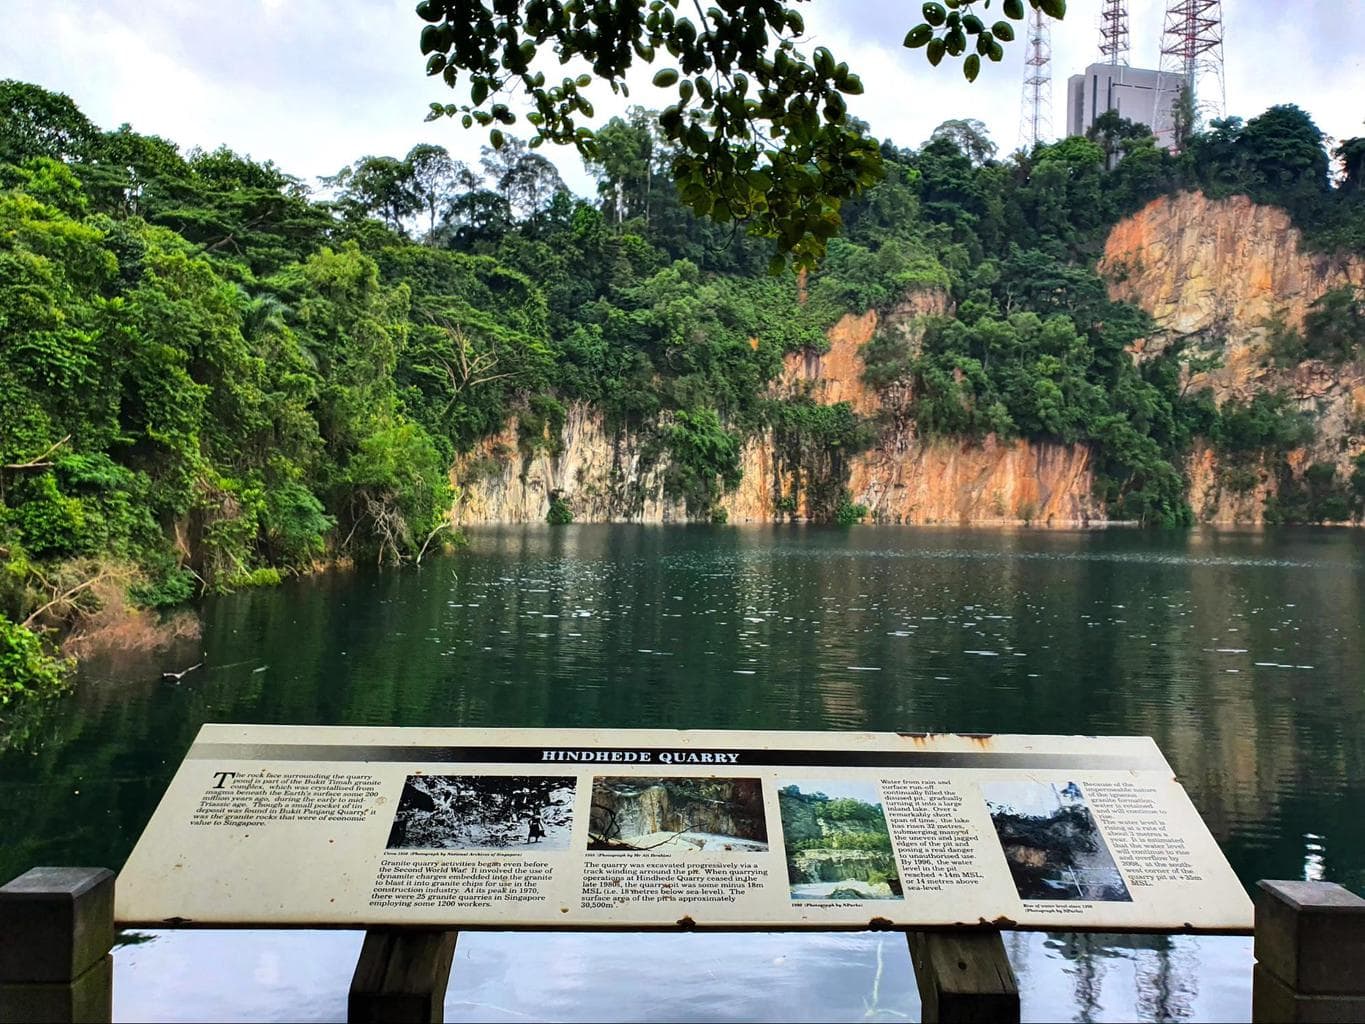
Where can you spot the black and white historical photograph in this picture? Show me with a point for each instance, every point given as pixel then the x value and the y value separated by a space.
pixel 681 815
pixel 480 812
pixel 1051 842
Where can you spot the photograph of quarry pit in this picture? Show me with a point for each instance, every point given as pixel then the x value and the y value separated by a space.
pixel 1052 845
pixel 838 845
pixel 479 812
pixel 678 815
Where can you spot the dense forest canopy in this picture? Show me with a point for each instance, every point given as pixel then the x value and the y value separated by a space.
pixel 212 376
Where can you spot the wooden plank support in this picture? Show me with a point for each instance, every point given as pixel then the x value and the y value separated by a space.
pixel 56 930
pixel 964 977
pixel 1310 953
pixel 401 977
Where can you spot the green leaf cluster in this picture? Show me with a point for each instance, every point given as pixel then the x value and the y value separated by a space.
pixel 1319 495
pixel 27 668
pixel 703 459
pixel 757 126
pixel 848 512
pixel 560 512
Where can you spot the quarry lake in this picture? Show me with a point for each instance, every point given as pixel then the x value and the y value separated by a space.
pixel 1240 653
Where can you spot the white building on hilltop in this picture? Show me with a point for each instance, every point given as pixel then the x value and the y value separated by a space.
pixel 1139 94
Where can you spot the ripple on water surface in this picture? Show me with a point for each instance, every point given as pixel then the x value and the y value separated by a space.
pixel 1240 653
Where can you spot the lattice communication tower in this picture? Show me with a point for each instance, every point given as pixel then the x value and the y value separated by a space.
pixel 1192 58
pixel 1114 32
pixel 1035 118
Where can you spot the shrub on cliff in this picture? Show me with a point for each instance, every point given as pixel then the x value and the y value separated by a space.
pixel 399 487
pixel 1334 326
pixel 560 513
pixel 1318 496
pixel 703 459
pixel 847 512
pixel 1266 423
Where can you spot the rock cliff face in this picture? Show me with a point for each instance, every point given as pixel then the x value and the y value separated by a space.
pixel 1215 271
pixel 626 808
pixel 841 866
pixel 606 475
pixel 609 476
pixel 905 478
pixel 1211 272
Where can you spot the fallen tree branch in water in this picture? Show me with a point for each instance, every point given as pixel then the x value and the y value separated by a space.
pixel 65 598
pixel 443 525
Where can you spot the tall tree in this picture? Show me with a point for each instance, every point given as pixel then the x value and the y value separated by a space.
pixel 1111 130
pixel 1284 148
pixel 377 185
pixel 434 180
pixel 970 136
pixel 131 174
pixel 36 122
pixel 525 179
pixel 480 215
pixel 625 164
pixel 1351 153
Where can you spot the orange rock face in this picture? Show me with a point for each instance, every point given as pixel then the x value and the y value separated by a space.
pixel 1215 271
pixel 836 375
pixel 908 479
pixel 944 481
pixel 903 479
pixel 1198 264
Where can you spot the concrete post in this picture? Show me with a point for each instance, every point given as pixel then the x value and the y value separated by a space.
pixel 1310 953
pixel 401 977
pixel 964 977
pixel 56 930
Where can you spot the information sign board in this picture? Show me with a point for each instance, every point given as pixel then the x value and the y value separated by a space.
pixel 306 826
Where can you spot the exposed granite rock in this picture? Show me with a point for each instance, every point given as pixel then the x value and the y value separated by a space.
pixel 1215 271
pixel 607 476
pixel 841 865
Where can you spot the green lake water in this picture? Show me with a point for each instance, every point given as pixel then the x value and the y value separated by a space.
pixel 1240 653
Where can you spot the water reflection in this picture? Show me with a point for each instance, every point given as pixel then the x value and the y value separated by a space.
pixel 1240 653
pixel 1314 857
pixel 260 975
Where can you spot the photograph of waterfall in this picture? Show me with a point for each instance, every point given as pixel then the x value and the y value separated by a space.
pixel 1051 842
pixel 479 812
pixel 838 845
pixel 677 815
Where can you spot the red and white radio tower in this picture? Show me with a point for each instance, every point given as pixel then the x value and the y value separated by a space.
pixel 1192 57
pixel 1114 31
pixel 1035 117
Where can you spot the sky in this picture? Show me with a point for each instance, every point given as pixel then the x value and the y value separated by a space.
pixel 314 84
pixel 838 789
